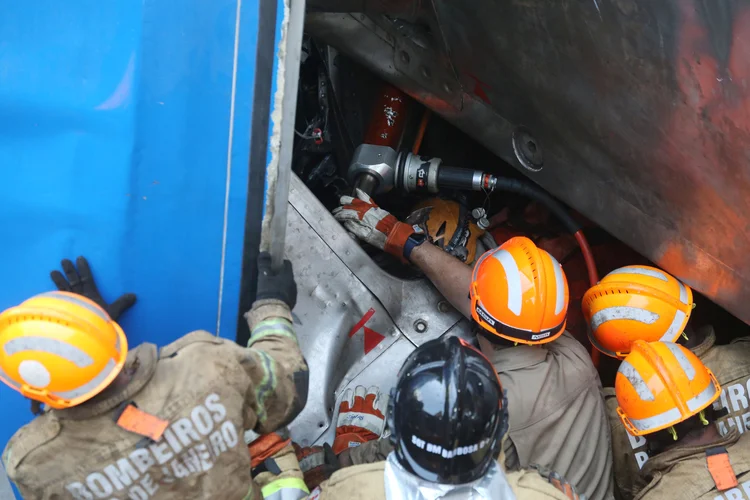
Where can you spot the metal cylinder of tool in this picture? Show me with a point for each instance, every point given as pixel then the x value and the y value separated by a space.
pixel 367 183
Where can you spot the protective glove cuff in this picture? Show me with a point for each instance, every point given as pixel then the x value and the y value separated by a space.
pixel 266 309
pixel 350 436
pixel 394 243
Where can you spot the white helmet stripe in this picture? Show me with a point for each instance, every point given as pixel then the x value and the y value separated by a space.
pixel 75 300
pixel 681 359
pixel 513 278
pixel 646 424
pixel 641 388
pixel 653 273
pixel 51 346
pixel 623 312
pixel 683 292
pixel 559 285
pixel 88 386
pixel 674 330
pixel 704 397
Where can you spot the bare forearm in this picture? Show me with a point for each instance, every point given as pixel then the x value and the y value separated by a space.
pixel 449 275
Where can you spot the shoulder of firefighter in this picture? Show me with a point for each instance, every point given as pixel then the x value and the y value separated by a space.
pixel 555 391
pixel 536 482
pixel 176 429
pixel 731 365
pixel 368 482
pixel 715 471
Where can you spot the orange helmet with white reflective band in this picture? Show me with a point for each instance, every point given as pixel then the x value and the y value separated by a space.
pixel 519 292
pixel 60 349
pixel 636 303
pixel 660 384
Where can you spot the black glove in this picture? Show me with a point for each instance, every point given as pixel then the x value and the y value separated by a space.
pixel 276 284
pixel 81 281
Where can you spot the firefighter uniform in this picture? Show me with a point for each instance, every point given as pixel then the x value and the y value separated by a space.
pixel 196 395
pixel 557 414
pixel 367 482
pixel 683 473
pixel 730 364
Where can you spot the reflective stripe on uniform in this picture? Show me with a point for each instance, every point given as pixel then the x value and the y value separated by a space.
pixel 674 330
pixel 289 488
pixel 512 278
pixel 89 386
pixel 267 384
pixel 276 326
pixel 652 273
pixel 636 380
pixel 51 346
pixel 684 362
pixel 623 312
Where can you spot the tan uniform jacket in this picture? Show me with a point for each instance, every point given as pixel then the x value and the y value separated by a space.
pixel 557 414
pixel 367 482
pixel 208 389
pixel 682 474
pixel 731 365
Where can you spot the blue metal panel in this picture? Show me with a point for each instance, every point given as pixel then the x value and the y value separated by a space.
pixel 125 137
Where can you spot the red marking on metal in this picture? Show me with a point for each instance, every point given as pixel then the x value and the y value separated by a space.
pixel 479 87
pixel 372 339
pixel 369 314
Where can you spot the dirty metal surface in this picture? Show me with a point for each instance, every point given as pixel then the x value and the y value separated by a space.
pixel 641 110
pixel 355 323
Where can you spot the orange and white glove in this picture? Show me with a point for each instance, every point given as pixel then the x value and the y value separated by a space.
pixel 373 225
pixel 361 417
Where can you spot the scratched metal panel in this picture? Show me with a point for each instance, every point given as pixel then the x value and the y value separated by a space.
pixel 639 107
pixel 125 138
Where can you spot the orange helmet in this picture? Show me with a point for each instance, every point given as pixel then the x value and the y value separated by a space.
pixel 636 303
pixel 660 384
pixel 519 292
pixel 60 349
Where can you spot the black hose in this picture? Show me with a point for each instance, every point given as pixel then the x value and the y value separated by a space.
pixel 520 187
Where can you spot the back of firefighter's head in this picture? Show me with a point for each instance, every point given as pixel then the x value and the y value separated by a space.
pixel 664 392
pixel 447 413
pixel 636 303
pixel 519 292
pixel 60 349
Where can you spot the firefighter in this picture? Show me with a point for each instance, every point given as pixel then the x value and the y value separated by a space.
pixel 644 303
pixel 665 395
pixel 147 422
pixel 448 417
pixel 518 298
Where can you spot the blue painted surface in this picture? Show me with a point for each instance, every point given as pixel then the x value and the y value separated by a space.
pixel 114 144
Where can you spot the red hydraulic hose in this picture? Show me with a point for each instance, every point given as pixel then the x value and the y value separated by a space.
pixel 588 256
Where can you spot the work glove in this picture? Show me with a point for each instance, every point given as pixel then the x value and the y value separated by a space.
pixel 317 463
pixel 279 285
pixel 80 281
pixel 361 417
pixel 370 223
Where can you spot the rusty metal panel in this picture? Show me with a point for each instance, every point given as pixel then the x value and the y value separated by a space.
pixel 641 110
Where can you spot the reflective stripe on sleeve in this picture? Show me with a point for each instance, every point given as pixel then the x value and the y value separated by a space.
pixel 275 326
pixel 289 488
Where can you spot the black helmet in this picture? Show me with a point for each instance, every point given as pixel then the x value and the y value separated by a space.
pixel 447 413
